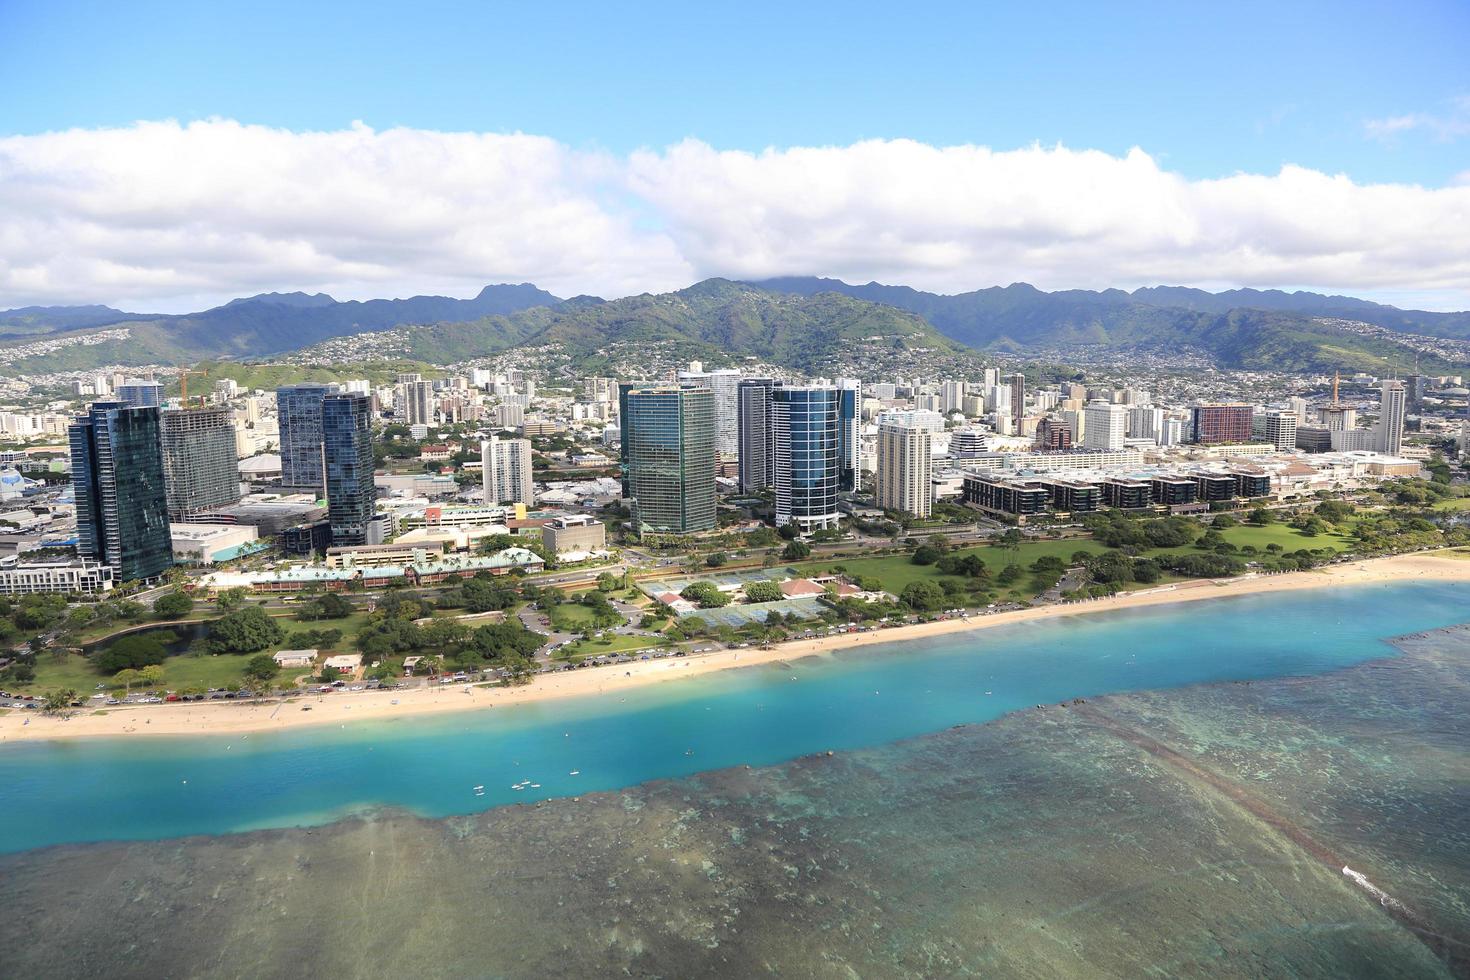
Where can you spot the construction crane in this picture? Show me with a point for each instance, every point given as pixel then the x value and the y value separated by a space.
pixel 184 384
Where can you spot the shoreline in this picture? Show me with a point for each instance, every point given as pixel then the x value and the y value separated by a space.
pixel 206 718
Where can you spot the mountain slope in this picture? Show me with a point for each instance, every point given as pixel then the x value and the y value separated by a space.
pixel 715 315
pixel 271 323
pixel 1021 316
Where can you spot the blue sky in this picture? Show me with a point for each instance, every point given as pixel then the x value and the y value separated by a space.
pixel 169 154
pixel 1207 88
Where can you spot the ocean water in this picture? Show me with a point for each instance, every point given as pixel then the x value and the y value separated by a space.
pixel 131 789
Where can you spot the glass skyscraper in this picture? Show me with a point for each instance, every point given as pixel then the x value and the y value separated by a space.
pixel 117 477
pixel 807 446
pixel 299 413
pixel 200 467
pixel 347 438
pixel 668 456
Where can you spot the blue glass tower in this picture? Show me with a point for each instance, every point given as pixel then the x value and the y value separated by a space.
pixel 299 413
pixel 117 476
pixel 807 442
pixel 347 439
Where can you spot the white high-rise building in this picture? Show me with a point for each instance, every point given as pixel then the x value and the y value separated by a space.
pixel 1145 423
pixel 506 474
pixel 1391 405
pixel 1298 407
pixel 1106 426
pixel 952 396
pixel 417 402
pixel 1281 430
pixel 725 383
pixel 904 473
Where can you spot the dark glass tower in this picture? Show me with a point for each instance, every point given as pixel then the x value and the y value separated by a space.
pixel 117 476
pixel 347 439
pixel 299 413
pixel 668 437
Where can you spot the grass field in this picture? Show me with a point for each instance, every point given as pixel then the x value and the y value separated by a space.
pixel 75 671
pixel 569 617
pixel 615 643
pixel 897 571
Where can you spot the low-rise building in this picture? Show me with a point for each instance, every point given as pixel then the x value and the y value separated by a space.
pixel 294 658
pixel 575 533
pixel 27 577
pixel 205 544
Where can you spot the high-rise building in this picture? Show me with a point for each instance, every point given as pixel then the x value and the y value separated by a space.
pixel 1053 434
pixel 1391 410
pixel 117 478
pixel 507 471
pixel 347 439
pixel 1215 424
pixel 1414 387
pixel 725 383
pixel 963 443
pixel 1017 385
pixel 1338 417
pixel 1281 430
pixel 904 475
pixel 951 396
pixel 1105 427
pixel 140 392
pixel 599 389
pixel 201 469
pixel 420 406
pixel 753 425
pixel 807 445
pixel 299 414
pixel 668 456
pixel 849 434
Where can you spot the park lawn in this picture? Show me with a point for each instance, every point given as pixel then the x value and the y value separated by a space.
pixel 616 643
pixel 72 670
pixel 1289 538
pixel 897 571
pixel 569 617
pixel 1453 503
pixel 183 671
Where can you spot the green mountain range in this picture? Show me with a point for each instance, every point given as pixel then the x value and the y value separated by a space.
pixel 796 322
pixel 716 316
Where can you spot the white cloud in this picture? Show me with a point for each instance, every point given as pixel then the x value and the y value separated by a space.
pixel 1445 126
pixel 165 216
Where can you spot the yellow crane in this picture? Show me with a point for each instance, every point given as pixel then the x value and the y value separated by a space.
pixel 184 384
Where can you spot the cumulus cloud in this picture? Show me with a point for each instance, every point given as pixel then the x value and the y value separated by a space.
pixel 162 214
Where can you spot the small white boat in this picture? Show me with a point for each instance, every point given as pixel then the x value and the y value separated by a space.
pixel 575 772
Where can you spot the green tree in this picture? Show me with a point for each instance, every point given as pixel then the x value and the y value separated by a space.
pixel 130 652
pixel 706 595
pixel 923 596
pixel 763 590
pixel 173 605
pixel 796 550
pixel 231 599
pixel 327 606
pixel 261 667
pixel 244 631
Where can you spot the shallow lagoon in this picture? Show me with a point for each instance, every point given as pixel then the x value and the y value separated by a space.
pixel 72 791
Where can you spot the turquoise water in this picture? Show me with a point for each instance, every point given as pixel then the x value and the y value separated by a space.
pixel 85 790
